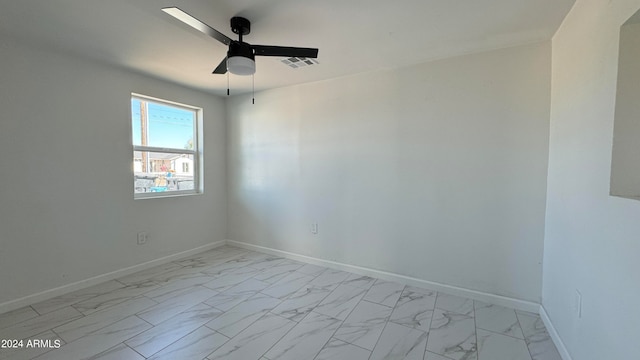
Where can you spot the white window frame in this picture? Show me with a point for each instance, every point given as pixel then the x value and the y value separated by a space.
pixel 196 152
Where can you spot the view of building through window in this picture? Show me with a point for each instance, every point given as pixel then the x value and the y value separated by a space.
pixel 165 150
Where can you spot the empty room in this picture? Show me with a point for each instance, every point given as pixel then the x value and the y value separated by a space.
pixel 320 180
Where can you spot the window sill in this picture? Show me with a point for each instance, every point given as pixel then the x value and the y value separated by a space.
pixel 168 194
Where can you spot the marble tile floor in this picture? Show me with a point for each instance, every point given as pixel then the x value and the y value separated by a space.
pixel 231 303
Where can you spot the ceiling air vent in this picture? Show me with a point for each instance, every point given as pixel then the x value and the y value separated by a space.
pixel 298 62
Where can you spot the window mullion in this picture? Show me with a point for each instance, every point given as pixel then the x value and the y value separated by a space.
pixel 163 150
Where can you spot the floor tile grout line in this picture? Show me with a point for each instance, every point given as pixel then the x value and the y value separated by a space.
pixel 84 316
pixel 454 312
pixel 75 302
pixel 267 312
pixel 242 302
pixel 65 322
pixel 311 311
pixel 132 349
pixel 375 303
pixel 111 305
pixel 515 313
pixel 306 285
pixel 34 310
pixel 358 346
pixel 48 351
pixel 150 299
pixel 378 340
pixel 341 323
pixel 131 337
pixel 526 342
pixel 47 328
pixel 499 333
pixel 395 303
pixel 221 345
pixel 117 280
pixel 430 324
pixel 446 357
pixel 136 315
pixel 279 339
pixel 182 337
pixel 475 329
pixel 20 322
pixel 58 335
pixel 345 319
pixel 95 331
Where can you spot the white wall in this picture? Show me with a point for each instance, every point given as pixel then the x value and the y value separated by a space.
pixel 592 239
pixel 66 188
pixel 436 171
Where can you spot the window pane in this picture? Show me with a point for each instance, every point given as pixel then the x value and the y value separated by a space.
pixel 135 122
pixel 162 172
pixel 170 127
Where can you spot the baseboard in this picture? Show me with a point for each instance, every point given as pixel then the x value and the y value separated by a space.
pixel 449 289
pixel 564 353
pixel 51 293
pixel 407 280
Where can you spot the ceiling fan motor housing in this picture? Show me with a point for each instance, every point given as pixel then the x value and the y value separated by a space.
pixel 243 49
pixel 240 25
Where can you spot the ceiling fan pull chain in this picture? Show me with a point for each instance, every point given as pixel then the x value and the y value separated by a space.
pixel 253 89
pixel 227 83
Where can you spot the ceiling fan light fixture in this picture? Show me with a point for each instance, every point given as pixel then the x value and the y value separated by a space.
pixel 240 59
pixel 240 65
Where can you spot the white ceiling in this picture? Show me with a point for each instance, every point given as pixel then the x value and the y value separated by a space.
pixel 353 35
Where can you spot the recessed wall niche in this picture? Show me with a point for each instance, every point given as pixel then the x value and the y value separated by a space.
pixel 625 162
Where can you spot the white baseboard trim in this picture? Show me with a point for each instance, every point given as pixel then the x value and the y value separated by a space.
pixel 51 293
pixel 407 280
pixel 564 353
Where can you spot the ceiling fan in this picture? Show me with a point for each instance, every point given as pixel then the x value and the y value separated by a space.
pixel 240 59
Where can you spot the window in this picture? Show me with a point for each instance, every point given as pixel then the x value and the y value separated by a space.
pixel 625 167
pixel 166 154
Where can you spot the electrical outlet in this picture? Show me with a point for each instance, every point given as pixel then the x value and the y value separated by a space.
pixel 143 237
pixel 314 228
pixel 578 304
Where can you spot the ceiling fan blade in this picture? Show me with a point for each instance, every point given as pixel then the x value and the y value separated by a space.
pixel 222 68
pixel 197 24
pixel 285 51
